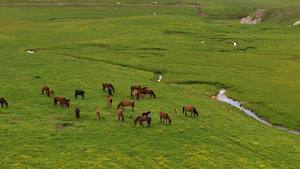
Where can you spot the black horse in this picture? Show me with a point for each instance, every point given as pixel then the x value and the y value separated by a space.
pixel 79 92
pixel 146 114
pixel 2 100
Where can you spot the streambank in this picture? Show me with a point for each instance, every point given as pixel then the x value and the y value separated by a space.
pixel 223 98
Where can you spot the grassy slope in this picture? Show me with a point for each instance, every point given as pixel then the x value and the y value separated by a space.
pixel 36 134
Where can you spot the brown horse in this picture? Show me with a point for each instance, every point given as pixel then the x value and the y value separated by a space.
pixel 135 94
pixel 109 91
pixel 98 114
pixel 2 100
pixel 142 95
pixel 77 112
pixel 126 103
pixel 120 114
pixel 175 110
pixel 165 116
pixel 189 109
pixel 105 85
pixel 50 92
pixel 45 88
pixel 109 101
pixel 148 91
pixel 143 118
pixel 137 87
pixel 62 101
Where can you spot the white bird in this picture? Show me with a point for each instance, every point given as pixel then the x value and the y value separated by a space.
pixel 159 78
pixel 234 43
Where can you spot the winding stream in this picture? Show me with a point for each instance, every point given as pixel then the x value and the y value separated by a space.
pixel 223 98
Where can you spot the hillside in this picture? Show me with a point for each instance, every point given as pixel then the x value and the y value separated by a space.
pixel 80 47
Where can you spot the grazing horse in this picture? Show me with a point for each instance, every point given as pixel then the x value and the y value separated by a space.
pixel 141 95
pixel 126 103
pixel 77 112
pixel 146 114
pixel 165 116
pixel 109 91
pixel 136 94
pixel 62 101
pixel 137 87
pixel 2 100
pixel 120 114
pixel 45 88
pixel 50 92
pixel 109 101
pixel 189 109
pixel 105 85
pixel 79 92
pixel 98 114
pixel 143 118
pixel 148 91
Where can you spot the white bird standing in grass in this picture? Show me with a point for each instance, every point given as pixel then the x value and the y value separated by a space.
pixel 234 43
pixel 159 78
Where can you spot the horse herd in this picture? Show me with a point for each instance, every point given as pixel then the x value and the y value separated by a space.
pixel 141 92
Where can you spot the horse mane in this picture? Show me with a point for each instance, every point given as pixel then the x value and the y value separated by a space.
pixel 119 105
pixel 195 111
pixel 137 118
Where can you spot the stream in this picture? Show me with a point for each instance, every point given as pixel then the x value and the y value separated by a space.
pixel 223 98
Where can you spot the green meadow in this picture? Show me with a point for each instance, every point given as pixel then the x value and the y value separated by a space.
pixel 83 46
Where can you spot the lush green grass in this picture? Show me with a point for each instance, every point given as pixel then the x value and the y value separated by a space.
pixel 81 47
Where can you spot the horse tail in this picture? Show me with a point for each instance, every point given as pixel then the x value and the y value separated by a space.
pixel 110 100
pixel 153 95
pixel 132 104
pixel 112 87
pixel 183 109
pixel 55 102
pixel 76 94
pixel 131 88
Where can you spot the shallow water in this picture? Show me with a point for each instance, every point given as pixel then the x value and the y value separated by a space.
pixel 223 98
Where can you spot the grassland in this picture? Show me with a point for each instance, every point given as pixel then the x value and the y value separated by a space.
pixel 81 47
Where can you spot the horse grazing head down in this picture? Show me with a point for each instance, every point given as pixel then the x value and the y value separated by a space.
pixel 98 114
pixel 2 100
pixel 77 112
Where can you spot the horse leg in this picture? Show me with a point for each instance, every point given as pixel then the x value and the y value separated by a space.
pixel 141 124
pixel 132 107
pixel 2 105
pixel 119 118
